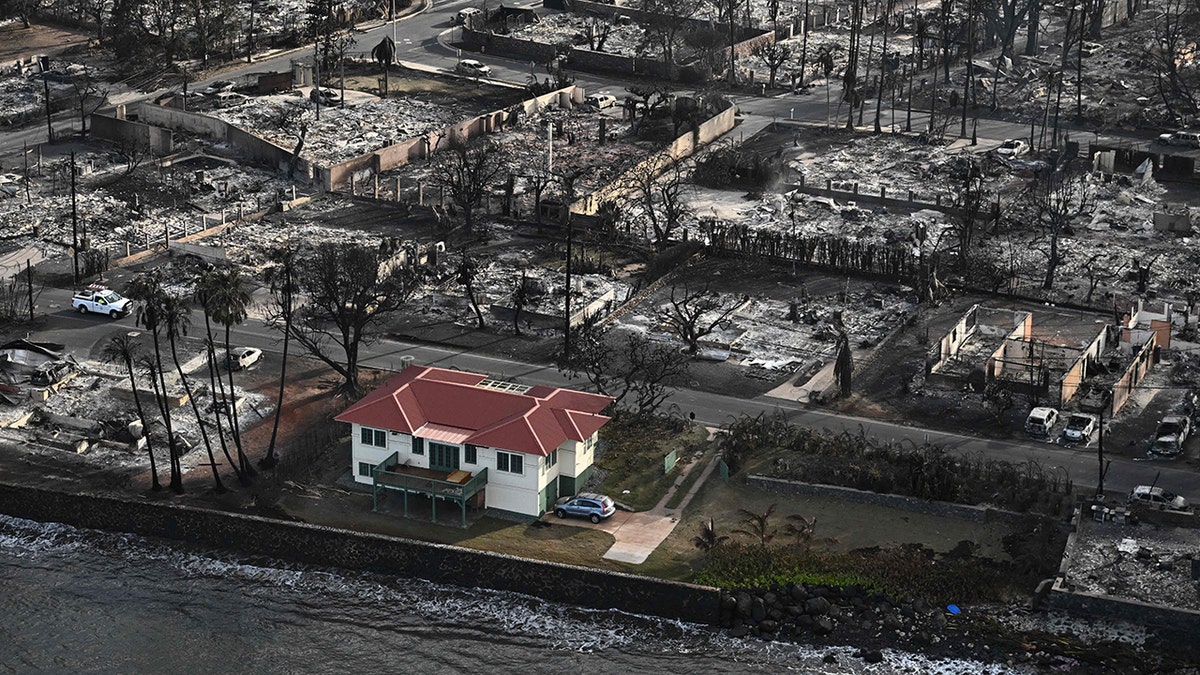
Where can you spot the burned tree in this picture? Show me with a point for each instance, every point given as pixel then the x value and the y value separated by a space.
pixel 349 290
pixel 1173 49
pixel 664 26
pixel 1098 268
pixel 88 97
pixel 693 314
pixel 467 170
pixel 468 269
pixel 122 349
pixel 638 373
pixel 1058 196
pixel 384 54
pixel 284 281
pixel 774 54
pixel 597 31
pixel 658 190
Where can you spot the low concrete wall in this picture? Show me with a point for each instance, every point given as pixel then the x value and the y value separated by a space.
pixel 327 546
pixel 125 132
pixel 252 147
pixel 338 176
pixel 975 514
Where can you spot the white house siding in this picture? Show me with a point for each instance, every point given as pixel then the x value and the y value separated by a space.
pixel 574 457
pixel 508 491
pixel 399 443
pixel 505 491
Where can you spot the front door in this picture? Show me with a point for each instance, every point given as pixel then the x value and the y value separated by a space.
pixel 443 457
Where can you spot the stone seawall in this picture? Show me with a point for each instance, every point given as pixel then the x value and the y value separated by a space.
pixel 326 546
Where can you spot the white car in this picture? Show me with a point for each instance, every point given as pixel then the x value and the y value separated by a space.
pixel 473 68
pixel 1189 139
pixel 1158 498
pixel 1012 148
pixel 1170 435
pixel 244 357
pixel 218 87
pixel 600 101
pixel 1080 427
pixel 1041 421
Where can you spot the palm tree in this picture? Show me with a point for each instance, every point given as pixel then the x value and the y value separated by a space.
pixel 708 539
pixel 757 525
pixel 122 348
pixel 204 293
pixel 229 302
pixel 284 287
pixel 176 320
pixel 147 291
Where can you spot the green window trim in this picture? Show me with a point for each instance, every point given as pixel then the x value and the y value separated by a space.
pixel 418 445
pixel 375 438
pixel 470 454
pixel 364 468
pixel 510 462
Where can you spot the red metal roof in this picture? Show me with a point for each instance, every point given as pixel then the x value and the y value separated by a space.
pixel 423 399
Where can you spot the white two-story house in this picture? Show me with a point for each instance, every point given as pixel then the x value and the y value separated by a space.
pixel 429 429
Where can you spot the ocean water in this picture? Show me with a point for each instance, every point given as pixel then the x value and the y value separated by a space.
pixel 82 601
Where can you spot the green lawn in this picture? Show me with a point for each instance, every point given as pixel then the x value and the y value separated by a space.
pixel 634 460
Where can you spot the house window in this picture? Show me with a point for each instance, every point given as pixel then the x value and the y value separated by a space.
pixel 470 454
pixel 509 462
pixel 364 468
pixel 418 445
pixel 552 458
pixel 373 437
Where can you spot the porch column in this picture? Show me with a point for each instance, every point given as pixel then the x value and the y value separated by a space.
pixel 433 505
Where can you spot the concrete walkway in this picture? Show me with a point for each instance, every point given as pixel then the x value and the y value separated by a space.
pixel 638 534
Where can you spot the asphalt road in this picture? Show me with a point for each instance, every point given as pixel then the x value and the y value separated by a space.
pixel 82 334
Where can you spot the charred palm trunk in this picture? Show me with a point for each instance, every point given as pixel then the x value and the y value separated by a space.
pixel 269 460
pixel 172 443
pixel 214 381
pixel 243 462
pixel 137 402
pixel 187 389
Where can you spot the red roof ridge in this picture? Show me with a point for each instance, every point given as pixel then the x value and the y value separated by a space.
pixel 534 421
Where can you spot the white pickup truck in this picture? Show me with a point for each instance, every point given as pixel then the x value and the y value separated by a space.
pixel 101 301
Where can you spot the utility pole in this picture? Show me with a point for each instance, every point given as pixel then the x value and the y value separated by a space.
pixel 44 63
pixel 74 223
pixel 25 169
pixel 317 76
pixel 1104 401
pixel 29 286
pixel 970 66
pixel 883 69
pixel 250 36
pixel 1079 68
pixel 804 44
pixel 567 295
pixel 342 80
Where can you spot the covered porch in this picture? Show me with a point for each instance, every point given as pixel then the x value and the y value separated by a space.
pixel 455 486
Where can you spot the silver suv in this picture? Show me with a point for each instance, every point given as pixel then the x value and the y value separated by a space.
pixel 588 505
